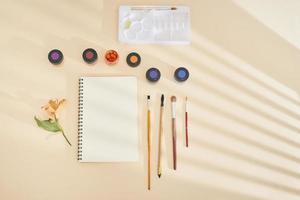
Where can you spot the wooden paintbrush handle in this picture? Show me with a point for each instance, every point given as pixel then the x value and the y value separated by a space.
pixel 174 143
pixel 149 148
pixel 186 130
pixel 159 141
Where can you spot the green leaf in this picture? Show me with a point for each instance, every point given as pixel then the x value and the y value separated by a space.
pixel 48 125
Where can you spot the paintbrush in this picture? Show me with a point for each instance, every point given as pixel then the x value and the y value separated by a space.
pixel 149 140
pixel 173 101
pixel 186 123
pixel 160 135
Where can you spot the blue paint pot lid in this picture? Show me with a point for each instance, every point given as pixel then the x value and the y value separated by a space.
pixel 181 74
pixel 153 74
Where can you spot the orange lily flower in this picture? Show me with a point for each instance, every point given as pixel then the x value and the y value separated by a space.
pixel 53 106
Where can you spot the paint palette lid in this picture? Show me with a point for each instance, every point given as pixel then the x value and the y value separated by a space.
pixel 133 59
pixel 89 55
pixel 153 74
pixel 147 24
pixel 55 56
pixel 181 74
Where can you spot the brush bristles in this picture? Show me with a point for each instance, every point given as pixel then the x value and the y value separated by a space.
pixel 162 100
pixel 173 98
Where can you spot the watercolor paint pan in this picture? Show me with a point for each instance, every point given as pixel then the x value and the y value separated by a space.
pixel 55 56
pixel 133 59
pixel 181 74
pixel 111 57
pixel 89 55
pixel 153 74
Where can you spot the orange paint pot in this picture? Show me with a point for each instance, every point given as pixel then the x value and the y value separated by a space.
pixel 133 59
pixel 111 57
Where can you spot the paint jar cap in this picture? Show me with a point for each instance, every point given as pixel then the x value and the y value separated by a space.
pixel 111 57
pixel 181 74
pixel 133 59
pixel 89 55
pixel 55 56
pixel 153 74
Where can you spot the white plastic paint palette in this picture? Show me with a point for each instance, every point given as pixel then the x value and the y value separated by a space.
pixel 152 24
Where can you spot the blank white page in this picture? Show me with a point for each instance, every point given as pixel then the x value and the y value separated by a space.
pixel 109 119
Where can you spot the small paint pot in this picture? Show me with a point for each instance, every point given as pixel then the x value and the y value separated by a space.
pixel 55 56
pixel 153 74
pixel 111 57
pixel 89 55
pixel 133 59
pixel 181 74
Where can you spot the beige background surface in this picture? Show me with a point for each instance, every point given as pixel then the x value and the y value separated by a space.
pixel 244 126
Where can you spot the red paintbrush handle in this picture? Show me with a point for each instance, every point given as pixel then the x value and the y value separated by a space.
pixel 186 130
pixel 174 143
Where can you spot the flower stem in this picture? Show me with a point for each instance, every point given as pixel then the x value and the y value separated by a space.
pixel 62 130
pixel 63 133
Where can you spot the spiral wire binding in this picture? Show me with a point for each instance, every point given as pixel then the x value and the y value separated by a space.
pixel 80 118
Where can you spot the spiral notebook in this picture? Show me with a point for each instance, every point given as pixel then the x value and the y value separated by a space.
pixel 107 125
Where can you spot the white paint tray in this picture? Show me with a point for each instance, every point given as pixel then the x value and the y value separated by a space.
pixel 154 24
